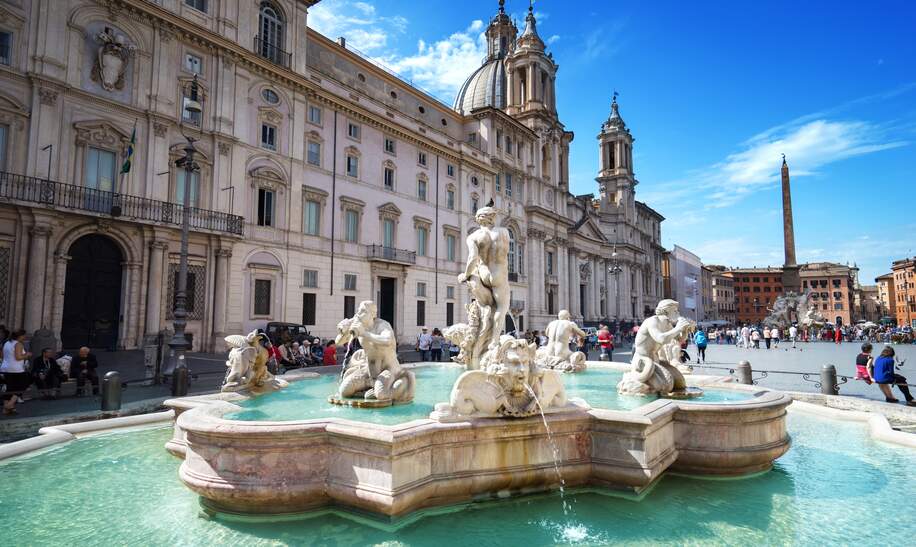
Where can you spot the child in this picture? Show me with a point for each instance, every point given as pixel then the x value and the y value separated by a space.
pixel 864 361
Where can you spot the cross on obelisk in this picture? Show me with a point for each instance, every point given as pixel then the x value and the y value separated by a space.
pixel 791 282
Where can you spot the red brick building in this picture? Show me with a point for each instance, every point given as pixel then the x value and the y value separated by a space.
pixel 756 289
pixel 904 272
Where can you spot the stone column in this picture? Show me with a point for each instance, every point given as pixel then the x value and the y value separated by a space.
pixel 134 289
pixel 220 298
pixel 562 278
pixel 37 278
pixel 510 87
pixel 572 276
pixel 154 288
pixel 57 300
pixel 531 85
pixel 596 289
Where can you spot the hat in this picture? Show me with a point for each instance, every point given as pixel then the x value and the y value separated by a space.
pixel 423 328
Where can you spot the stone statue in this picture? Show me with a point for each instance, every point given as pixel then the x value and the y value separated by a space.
pixel 111 62
pixel 247 364
pixel 652 370
pixel 487 276
pixel 791 308
pixel 509 384
pixel 373 373
pixel 556 354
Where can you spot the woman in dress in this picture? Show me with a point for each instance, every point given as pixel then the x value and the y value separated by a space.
pixel 14 370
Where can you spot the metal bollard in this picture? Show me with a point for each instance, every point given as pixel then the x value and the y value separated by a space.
pixel 111 391
pixel 828 380
pixel 180 379
pixel 745 374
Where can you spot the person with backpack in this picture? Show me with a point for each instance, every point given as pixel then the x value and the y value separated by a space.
pixel 701 341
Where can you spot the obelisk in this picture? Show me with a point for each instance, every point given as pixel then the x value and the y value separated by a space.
pixel 791 282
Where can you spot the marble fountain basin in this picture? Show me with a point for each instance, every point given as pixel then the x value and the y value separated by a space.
pixel 294 466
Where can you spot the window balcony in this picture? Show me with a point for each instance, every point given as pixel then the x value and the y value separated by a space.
pixel 271 52
pixel 380 253
pixel 68 197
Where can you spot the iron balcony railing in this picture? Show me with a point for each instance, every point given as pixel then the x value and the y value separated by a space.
pixel 14 187
pixel 390 254
pixel 271 52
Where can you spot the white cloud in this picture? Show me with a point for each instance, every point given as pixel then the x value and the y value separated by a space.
pixel 439 66
pixel 553 39
pixel 808 145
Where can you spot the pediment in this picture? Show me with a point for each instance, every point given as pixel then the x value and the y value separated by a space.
pixel 268 174
pixel 101 133
pixel 591 230
pixel 389 208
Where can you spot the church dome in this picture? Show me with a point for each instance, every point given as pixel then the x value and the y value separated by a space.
pixel 485 87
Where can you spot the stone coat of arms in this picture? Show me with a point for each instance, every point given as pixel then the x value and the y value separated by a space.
pixel 111 60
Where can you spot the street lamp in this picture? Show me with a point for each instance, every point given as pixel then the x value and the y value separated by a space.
pixel 178 343
pixel 615 269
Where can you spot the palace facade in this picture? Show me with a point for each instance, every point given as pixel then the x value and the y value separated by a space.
pixel 322 178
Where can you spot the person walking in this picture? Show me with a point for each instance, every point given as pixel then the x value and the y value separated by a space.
pixel 766 336
pixel 700 340
pixel 837 335
pixel 793 334
pixel 774 336
pixel 884 375
pixel 606 343
pixel 14 370
pixel 745 337
pixel 755 338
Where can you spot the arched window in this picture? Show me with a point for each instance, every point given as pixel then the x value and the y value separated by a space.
pixel 269 41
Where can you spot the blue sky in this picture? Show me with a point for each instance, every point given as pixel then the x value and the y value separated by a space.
pixel 714 93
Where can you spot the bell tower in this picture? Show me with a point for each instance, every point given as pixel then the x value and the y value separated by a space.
pixel 616 183
pixel 500 34
pixel 532 73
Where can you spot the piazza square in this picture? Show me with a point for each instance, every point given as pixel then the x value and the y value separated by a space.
pixel 338 272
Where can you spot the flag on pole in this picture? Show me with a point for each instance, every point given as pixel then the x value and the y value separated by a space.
pixel 125 168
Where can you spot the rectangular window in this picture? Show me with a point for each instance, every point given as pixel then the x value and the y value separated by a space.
pixel 4 139
pixel 352 223
pixel 549 262
pixel 449 314
pixel 189 116
pixel 194 196
pixel 312 214
pixel 310 279
pixel 421 289
pixel 422 236
pixel 349 306
pixel 192 63
pixel 314 153
pixel 349 282
pixel 421 158
pixel 421 313
pixel 100 170
pixel 389 145
pixel 499 138
pixel 474 204
pixel 450 199
pixel 388 233
pixel 838 306
pixel 389 179
pixel 450 292
pixel 450 170
pixel 262 289
pixel 508 144
pixel 421 189
pixel 268 136
pixel 6 48
pixel 352 130
pixel 450 246
pixel 315 115
pixel 508 185
pixel 352 166
pixel 309 308
pixel 265 207
pixel 197 4
pixel 499 186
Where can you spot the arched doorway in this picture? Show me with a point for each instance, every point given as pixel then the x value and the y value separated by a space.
pixel 92 294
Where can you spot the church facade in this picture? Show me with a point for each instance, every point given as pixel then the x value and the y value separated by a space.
pixel 322 179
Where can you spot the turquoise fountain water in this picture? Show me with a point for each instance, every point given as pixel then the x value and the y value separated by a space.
pixel 835 486
pixel 308 399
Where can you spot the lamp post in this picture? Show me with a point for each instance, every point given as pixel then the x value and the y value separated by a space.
pixel 178 343
pixel 615 269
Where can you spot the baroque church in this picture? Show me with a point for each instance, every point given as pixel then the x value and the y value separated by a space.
pixel 323 179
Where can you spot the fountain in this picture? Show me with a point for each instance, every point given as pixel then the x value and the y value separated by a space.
pixel 247 365
pixel 507 428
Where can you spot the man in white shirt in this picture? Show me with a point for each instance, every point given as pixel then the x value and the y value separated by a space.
pixel 424 342
pixel 745 337
pixel 793 334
